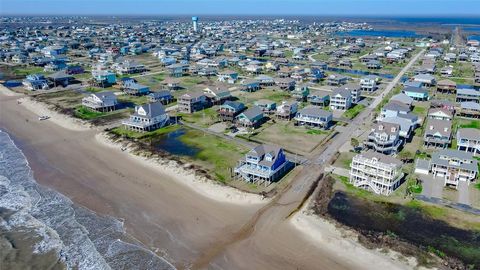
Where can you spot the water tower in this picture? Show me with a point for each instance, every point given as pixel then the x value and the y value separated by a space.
pixel 195 23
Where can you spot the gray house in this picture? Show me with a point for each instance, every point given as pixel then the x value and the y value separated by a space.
pixel 147 117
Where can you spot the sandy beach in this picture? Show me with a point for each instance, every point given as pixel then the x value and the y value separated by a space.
pixel 170 210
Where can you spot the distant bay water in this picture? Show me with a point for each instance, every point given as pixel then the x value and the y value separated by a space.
pixel 380 33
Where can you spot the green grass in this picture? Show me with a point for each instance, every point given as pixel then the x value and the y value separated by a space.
pixel 216 154
pixel 202 118
pixel 121 131
pixel 471 124
pixel 419 110
pixel 24 71
pixel 477 186
pixel 354 111
pixel 93 89
pixel 87 114
pixel 431 210
pixel 316 132
pixel 137 100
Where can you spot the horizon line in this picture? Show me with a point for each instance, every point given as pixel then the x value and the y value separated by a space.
pixel 433 16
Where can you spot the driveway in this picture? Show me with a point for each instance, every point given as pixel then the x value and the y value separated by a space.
pixel 463 193
pixel 432 187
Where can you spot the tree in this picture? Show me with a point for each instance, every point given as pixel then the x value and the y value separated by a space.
pixel 405 156
pixel 354 142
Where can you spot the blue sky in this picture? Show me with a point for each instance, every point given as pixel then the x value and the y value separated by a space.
pixel 254 7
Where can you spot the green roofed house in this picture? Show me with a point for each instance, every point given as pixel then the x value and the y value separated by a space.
pixel 301 92
pixel 251 118
pixel 267 106
pixel 230 109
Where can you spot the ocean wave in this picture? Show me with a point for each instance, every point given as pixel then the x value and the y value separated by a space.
pixel 50 225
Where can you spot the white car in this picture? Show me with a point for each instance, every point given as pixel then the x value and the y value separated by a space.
pixel 43 117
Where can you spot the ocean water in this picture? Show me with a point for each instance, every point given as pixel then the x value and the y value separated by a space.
pixel 42 229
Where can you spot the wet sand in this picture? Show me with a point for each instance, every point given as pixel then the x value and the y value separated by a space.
pixel 165 215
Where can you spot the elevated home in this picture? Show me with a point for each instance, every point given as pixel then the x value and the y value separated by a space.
pixel 35 82
pixel 446 71
pixel 267 106
pixel 440 114
pixel 192 102
pixel 171 83
pixel 60 78
pixel 263 164
pixel 446 86
pixel 418 94
pixel 287 110
pixel 406 126
pixel 102 101
pixel 394 109
pixel 313 116
pixel 228 76
pixel 454 166
pixel 103 78
pixel 129 67
pixel 217 94
pixel 438 133
pixel 178 69
pixel 301 92
pixel 376 172
pixel 250 118
pixel 75 69
pixel 468 140
pixel 163 96
pixel 469 110
pixel 147 117
pixel 319 98
pixel 373 64
pixel 207 71
pixel 285 83
pixel 368 83
pixel 265 80
pixel 385 138
pixel 426 80
pixel 445 104
pixel 340 99
pixel 468 95
pixel 336 80
pixel 250 85
pixel 230 109
pixel 402 99
pixel 131 87
pixel 355 91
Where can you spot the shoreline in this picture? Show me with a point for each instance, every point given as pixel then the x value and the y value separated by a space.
pixel 325 234
pixel 199 184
